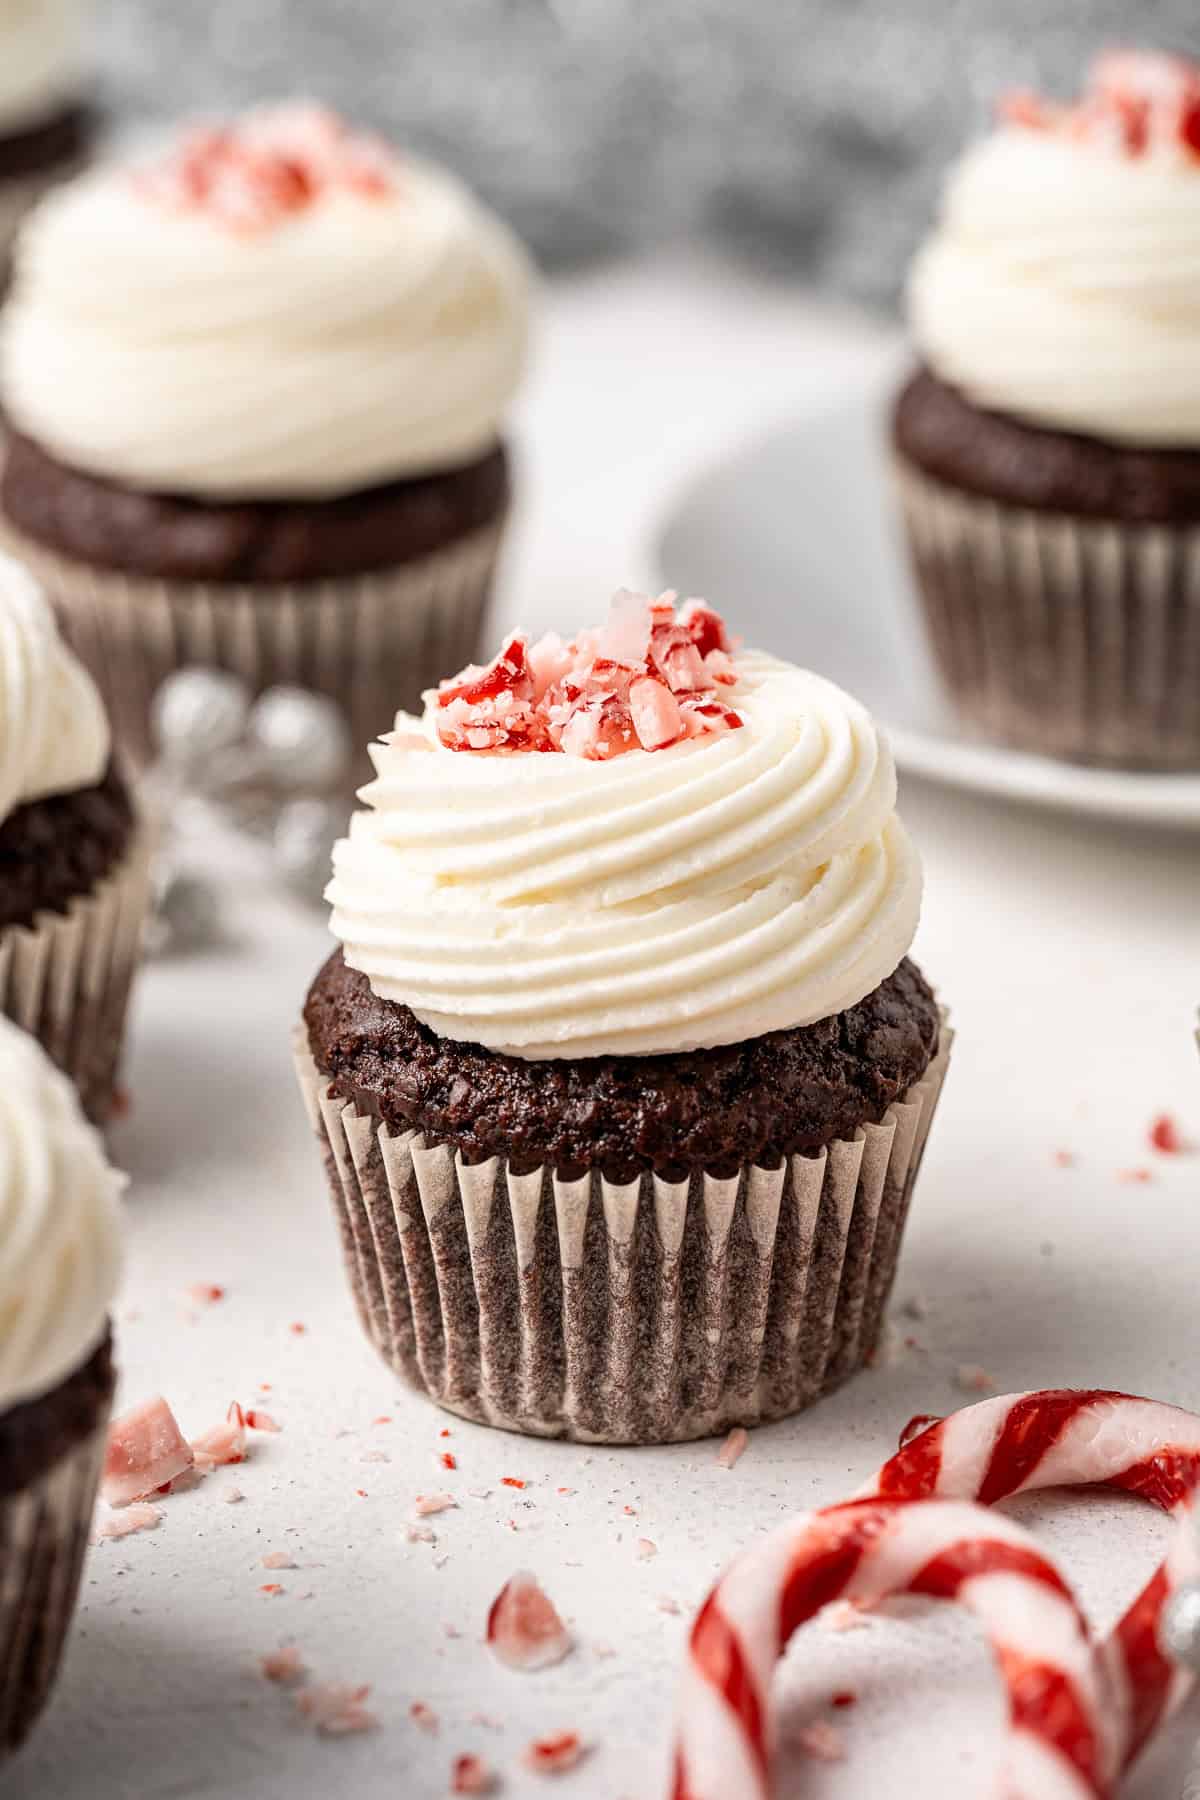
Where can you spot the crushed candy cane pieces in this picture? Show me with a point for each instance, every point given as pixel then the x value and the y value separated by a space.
pixel 649 678
pixel 138 1517
pixel 1164 1135
pixel 336 1709
pixel 221 1444
pixel 284 1666
pixel 471 1775
pixel 146 1451
pixel 277 1559
pixel 553 1755
pixel 257 1420
pixel 205 1293
pixel 646 1548
pixel 971 1379
pixel 733 1448
pixel 1135 103
pixel 424 1716
pixel 251 175
pixel 523 1629
pixel 426 1504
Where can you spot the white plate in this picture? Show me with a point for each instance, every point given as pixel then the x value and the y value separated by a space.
pixel 795 536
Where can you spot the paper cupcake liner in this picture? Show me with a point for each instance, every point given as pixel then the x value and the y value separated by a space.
pixel 66 978
pixel 371 642
pixel 646 1313
pixel 1074 637
pixel 43 1539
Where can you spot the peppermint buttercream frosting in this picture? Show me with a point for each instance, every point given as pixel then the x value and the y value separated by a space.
pixel 60 1225
pixel 276 309
pixel 54 733
pixel 631 900
pixel 42 45
pixel 1062 283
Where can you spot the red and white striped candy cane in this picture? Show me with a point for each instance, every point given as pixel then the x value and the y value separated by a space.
pixel 1073 1725
pixel 1064 1437
pixel 1061 1745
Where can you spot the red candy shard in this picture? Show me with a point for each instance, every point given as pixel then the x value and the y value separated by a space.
pixel 258 1420
pixel 523 1628
pixel 551 1755
pixel 645 680
pixel 1136 101
pixel 284 1666
pixel 205 1293
pixel 423 1715
pixel 471 1775
pixel 146 1450
pixel 140 1517
pixel 221 1444
pixel 336 1709
pixel 1164 1135
pixel 252 175
pixel 733 1448
pixel 427 1504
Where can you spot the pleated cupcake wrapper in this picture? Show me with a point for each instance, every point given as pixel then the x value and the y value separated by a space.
pixel 43 1539
pixel 370 642
pixel 1069 636
pixel 66 978
pixel 647 1313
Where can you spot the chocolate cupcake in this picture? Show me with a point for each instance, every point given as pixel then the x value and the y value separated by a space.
pixel 621 1074
pixel 45 126
pixel 74 875
pixel 256 391
pixel 1048 447
pixel 59 1263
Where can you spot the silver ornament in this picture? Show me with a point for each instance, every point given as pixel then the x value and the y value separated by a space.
pixel 197 714
pixel 1179 1631
pixel 302 843
pixel 299 740
pixel 187 913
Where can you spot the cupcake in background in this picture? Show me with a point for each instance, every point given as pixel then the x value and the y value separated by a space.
pixel 1048 446
pixel 257 390
pixel 59 1265
pixel 45 124
pixel 74 871
pixel 621 1073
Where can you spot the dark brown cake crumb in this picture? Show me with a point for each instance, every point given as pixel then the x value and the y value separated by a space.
pixel 709 1110
pixel 53 851
pixel 37 1433
pixel 173 537
pixel 1001 458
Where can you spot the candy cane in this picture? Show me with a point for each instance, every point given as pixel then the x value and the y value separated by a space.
pixel 1064 1437
pixel 1061 1744
pixel 1073 1724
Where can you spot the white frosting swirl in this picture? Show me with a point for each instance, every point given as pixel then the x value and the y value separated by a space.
pixel 1062 285
pixel 548 906
pixel 363 339
pixel 60 1224
pixel 54 734
pixel 41 59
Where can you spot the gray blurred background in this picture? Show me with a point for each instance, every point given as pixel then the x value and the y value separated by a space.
pixel 806 135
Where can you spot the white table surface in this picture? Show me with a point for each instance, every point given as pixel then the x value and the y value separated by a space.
pixel 1069 954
